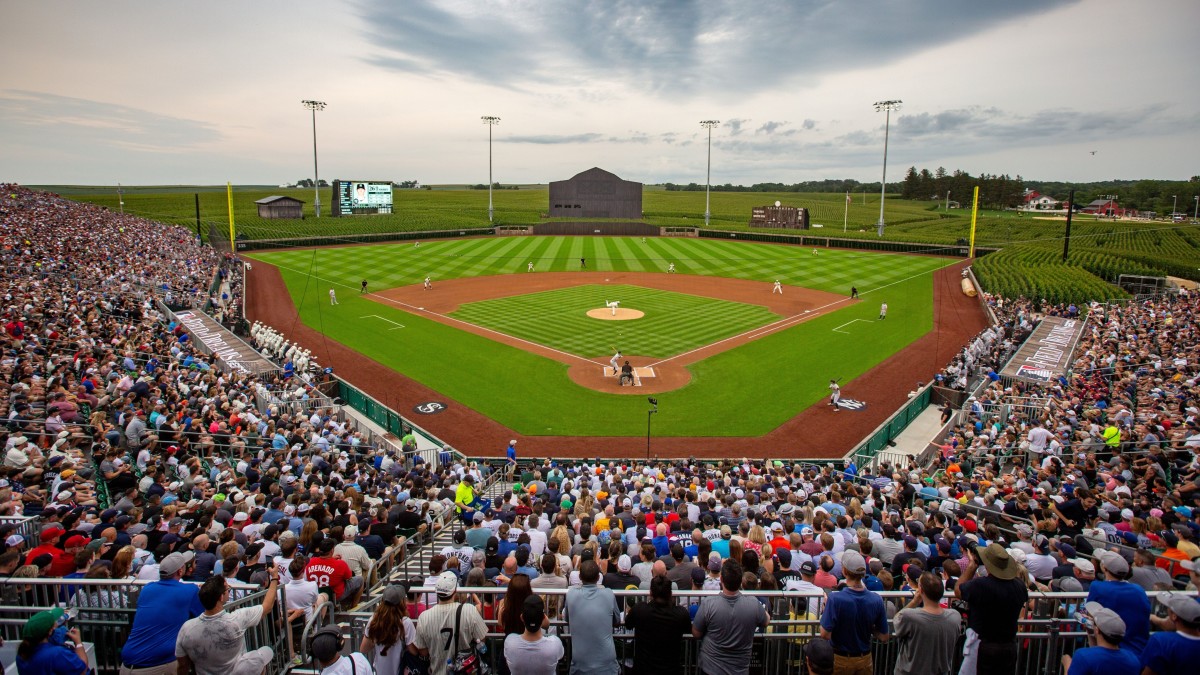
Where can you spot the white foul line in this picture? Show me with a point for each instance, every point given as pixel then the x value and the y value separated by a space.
pixel 839 328
pixel 397 325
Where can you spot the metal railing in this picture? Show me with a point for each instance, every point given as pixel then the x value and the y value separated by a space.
pixel 1047 629
pixel 868 451
pixel 29 527
pixel 104 612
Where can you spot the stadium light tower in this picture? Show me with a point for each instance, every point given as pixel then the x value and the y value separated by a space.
pixel 314 106
pixel 708 124
pixel 887 107
pixel 490 121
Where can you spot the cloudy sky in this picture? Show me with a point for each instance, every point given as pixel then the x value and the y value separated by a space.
pixel 149 92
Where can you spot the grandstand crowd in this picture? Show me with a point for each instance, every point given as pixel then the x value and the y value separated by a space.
pixel 146 461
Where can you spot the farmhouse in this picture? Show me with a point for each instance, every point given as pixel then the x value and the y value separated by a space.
pixel 1035 201
pixel 596 193
pixel 1103 207
pixel 280 207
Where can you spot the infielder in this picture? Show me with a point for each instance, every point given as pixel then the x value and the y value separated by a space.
pixel 853 291
pixel 417 245
pixel 615 362
pixel 332 297
pixel 529 267
pixel 364 287
pixel 613 306
pixel 671 268
pixel 428 283
pixel 835 395
pixel 778 288
pixel 883 311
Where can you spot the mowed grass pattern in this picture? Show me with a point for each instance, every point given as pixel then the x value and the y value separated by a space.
pixel 394 265
pixel 674 322
pixel 766 381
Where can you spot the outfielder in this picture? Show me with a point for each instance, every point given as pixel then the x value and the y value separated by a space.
pixel 835 395
pixel 615 362
pixel 883 311
pixel 778 288
pixel 613 306
pixel 332 297
pixel 529 267
pixel 671 268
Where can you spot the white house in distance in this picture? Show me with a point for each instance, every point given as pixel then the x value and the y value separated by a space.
pixel 1035 201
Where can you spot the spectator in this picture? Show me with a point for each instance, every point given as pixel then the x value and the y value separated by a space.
pixel 658 627
pixel 163 607
pixel 995 603
pixel 1175 651
pixel 852 617
pixel 725 625
pixel 213 642
pixel 326 648
pixel 591 616
pixel 532 652
pixel 819 656
pixel 333 575
pixel 927 632
pixel 448 627
pixel 390 632
pixel 1103 655
pixel 1127 599
pixel 36 655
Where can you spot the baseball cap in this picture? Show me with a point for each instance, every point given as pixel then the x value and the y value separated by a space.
pixel 777 527
pixel 76 541
pixel 1108 621
pixel 1112 561
pixel 820 652
pixel 785 557
pixel 393 595
pixel 714 565
pixel 14 540
pixel 175 562
pixel 39 625
pixel 1083 565
pixel 808 568
pixel 852 561
pixel 624 563
pixel 447 584
pixel 1183 605
pixel 698 575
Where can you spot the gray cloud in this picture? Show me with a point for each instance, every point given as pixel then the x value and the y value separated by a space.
pixel 735 126
pixel 671 47
pixel 591 137
pixel 808 125
pixel 770 127
pixel 40 117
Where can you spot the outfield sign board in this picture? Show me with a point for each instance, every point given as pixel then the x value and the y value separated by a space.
pixel 358 197
pixel 1046 354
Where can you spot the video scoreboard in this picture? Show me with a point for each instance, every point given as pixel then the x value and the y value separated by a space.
pixel 358 197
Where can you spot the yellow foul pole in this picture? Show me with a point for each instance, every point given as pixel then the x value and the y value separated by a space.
pixel 233 248
pixel 974 215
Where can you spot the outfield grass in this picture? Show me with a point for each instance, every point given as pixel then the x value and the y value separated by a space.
pixel 674 322
pixel 746 391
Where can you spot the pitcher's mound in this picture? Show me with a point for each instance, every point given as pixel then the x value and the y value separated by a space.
pixel 622 314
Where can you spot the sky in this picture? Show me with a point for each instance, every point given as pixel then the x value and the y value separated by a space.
pixel 149 92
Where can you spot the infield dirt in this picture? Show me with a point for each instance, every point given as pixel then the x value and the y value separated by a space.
pixel 816 432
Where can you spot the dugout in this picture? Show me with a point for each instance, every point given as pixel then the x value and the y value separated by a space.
pixel 596 193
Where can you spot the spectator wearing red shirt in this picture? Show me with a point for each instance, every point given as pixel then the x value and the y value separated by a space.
pixel 332 575
pixel 64 561
pixel 47 546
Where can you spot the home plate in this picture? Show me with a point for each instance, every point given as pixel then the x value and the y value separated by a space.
pixel 638 373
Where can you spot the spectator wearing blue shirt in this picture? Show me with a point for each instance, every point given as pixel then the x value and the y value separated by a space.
pixel 1125 598
pixel 852 617
pixel 163 607
pixel 1103 656
pixel 1175 651
pixel 38 655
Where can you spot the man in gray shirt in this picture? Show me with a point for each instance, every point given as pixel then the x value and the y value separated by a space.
pixel 927 633
pixel 725 625
pixel 591 615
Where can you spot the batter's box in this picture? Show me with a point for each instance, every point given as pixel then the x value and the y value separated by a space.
pixel 638 373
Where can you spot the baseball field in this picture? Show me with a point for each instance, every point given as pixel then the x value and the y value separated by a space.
pixel 725 356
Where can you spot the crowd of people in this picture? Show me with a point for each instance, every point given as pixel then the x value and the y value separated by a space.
pixel 145 460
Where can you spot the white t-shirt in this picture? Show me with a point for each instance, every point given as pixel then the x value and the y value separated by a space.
pixel 301 594
pixel 386 665
pixel 343 666
pixel 533 658
pixel 216 644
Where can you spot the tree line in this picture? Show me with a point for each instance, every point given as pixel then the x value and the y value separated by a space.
pixel 826 185
pixel 995 192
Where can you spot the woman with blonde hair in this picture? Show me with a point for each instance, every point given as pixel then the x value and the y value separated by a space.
pixel 122 563
pixel 755 539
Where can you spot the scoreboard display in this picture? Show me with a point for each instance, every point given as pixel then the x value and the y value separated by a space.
pixel 358 197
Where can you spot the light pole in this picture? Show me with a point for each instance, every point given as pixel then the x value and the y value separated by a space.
pixel 1196 211
pixel 314 106
pixel 1174 205
pixel 490 121
pixel 947 200
pixel 887 107
pixel 1111 209
pixel 650 413
pixel 707 124
pixel 120 199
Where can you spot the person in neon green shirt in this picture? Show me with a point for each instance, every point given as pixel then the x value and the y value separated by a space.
pixel 465 499
pixel 1112 436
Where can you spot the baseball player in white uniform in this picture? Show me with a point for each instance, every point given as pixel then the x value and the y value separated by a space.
pixel 671 268
pixel 332 297
pixel 835 395
pixel 615 362
pixel 778 288
pixel 883 311
pixel 428 283
pixel 529 267
pixel 613 306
